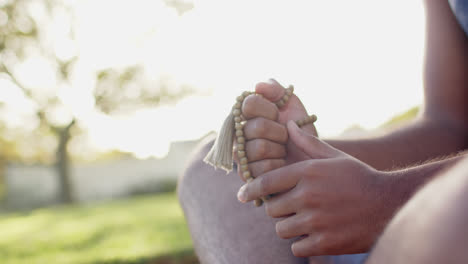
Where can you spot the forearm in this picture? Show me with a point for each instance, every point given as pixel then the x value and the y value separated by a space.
pixel 422 140
pixel 393 189
pixel 443 128
pixel 402 184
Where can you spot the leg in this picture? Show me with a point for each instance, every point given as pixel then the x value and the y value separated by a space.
pixel 224 230
pixel 431 227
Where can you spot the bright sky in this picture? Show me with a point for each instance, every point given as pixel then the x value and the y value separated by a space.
pixel 352 62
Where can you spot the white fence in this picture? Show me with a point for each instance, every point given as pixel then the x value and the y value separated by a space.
pixel 32 186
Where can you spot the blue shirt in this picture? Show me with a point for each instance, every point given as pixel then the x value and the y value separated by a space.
pixel 460 9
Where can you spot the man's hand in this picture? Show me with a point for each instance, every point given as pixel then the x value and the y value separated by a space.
pixel 333 201
pixel 267 145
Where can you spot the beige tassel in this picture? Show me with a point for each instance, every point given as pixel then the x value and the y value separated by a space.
pixel 220 155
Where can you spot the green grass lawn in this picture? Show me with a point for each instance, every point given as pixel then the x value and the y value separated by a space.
pixel 146 229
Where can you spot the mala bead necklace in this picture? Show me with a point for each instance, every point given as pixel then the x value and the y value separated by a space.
pixel 220 155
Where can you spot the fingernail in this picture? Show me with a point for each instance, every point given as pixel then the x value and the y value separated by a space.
pixel 242 195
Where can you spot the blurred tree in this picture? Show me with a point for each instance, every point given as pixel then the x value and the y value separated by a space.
pixel 8 151
pixel 126 90
pixel 20 37
pixel 180 5
pixel 402 118
pixel 23 35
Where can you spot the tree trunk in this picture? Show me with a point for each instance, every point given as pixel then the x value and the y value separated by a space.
pixel 63 164
pixel 3 187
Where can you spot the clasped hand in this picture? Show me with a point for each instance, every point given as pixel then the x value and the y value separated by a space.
pixel 329 200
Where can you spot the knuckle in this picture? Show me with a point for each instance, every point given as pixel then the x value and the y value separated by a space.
pixel 313 221
pixel 323 244
pixel 248 107
pixel 309 201
pixel 306 198
pixel 269 209
pixel 262 147
pixel 260 127
pixel 268 165
pixel 299 251
pixel 302 195
pixel 264 183
pixel 283 133
pixel 281 151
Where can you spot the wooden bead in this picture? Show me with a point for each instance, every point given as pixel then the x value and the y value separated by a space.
pixel 280 103
pixel 237 119
pixel 240 146
pixel 246 93
pixel 240 154
pixel 246 175
pixel 313 118
pixel 240 98
pixel 258 202
pixel 243 161
pixel 236 112
pixel 239 133
pixel 300 122
pixel 249 179
pixel 239 126
pixel 237 105
pixel 285 97
pixel 241 140
pixel 244 167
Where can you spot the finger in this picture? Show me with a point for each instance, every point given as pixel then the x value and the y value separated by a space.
pixel 259 149
pixel 312 245
pixel 275 181
pixel 293 226
pixel 311 145
pixel 267 129
pixel 270 89
pixel 262 166
pixel 282 205
pixel 257 106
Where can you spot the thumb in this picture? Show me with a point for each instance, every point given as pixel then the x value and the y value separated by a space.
pixel 309 144
pixel 271 90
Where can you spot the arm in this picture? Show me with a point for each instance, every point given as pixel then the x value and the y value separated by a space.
pixel 343 204
pixel 340 203
pixel 442 128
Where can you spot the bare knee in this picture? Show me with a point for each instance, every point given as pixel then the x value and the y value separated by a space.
pixel 192 180
pixel 430 227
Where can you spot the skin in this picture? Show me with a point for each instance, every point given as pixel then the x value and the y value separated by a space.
pixel 339 203
pixel 222 229
pixel 327 178
pixel 415 234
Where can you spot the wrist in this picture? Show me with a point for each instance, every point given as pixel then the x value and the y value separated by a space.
pixel 397 187
pixel 390 193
